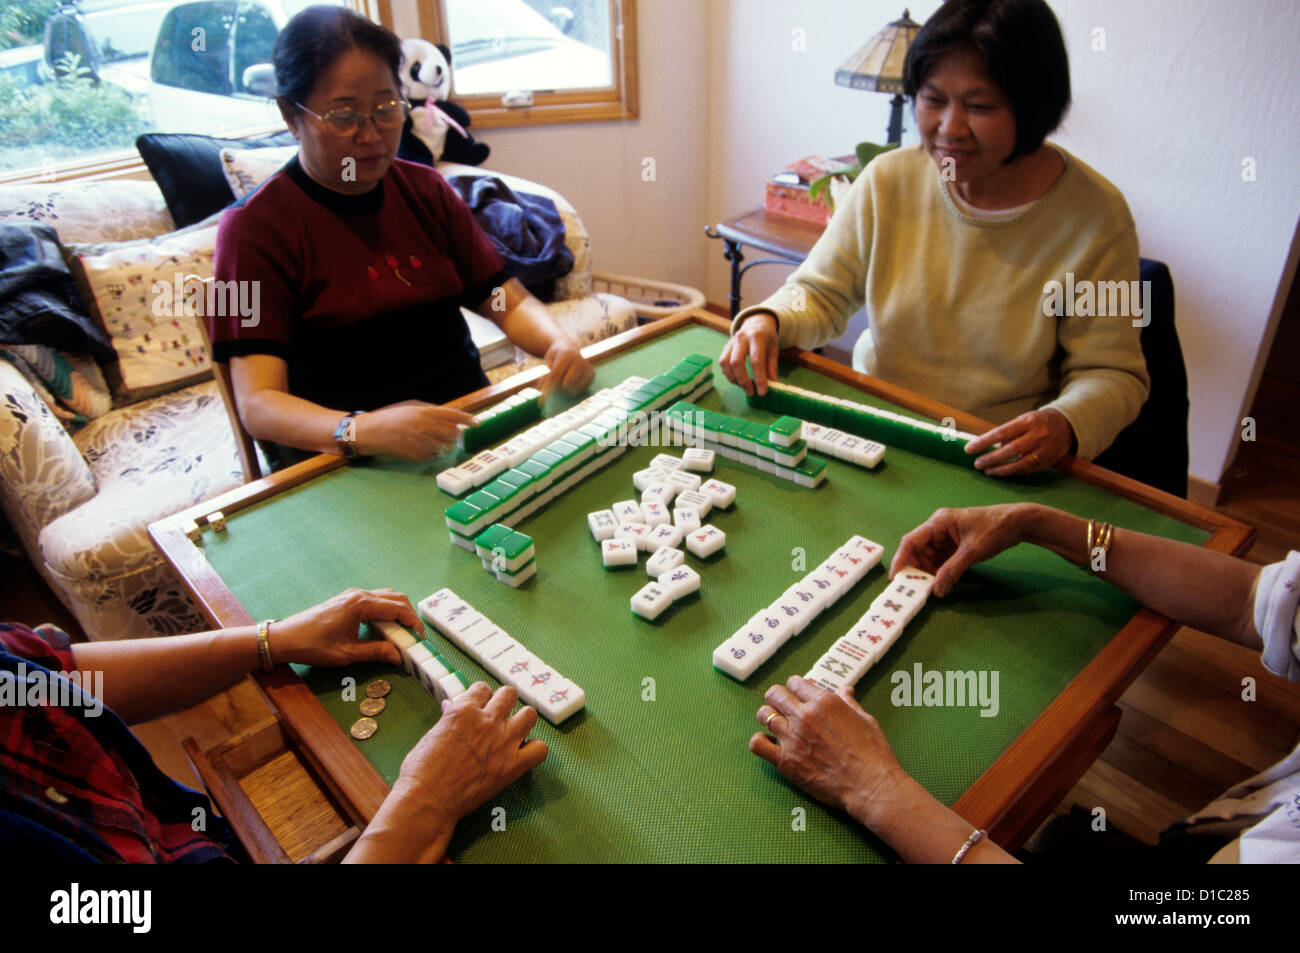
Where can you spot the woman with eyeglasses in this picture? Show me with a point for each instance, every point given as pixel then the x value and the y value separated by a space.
pixel 361 263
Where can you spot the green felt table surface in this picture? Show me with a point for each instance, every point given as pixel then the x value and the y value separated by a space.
pixel 656 768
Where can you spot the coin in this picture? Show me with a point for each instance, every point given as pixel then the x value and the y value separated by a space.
pixel 378 688
pixel 363 728
pixel 372 706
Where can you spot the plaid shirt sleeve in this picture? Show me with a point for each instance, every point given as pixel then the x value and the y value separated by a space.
pixel 75 783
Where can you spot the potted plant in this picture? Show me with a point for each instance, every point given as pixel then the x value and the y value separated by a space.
pixel 866 151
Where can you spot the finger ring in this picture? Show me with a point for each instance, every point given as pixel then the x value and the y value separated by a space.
pixel 1034 454
pixel 768 722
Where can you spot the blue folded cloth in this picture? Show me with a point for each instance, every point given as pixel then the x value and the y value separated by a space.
pixel 526 229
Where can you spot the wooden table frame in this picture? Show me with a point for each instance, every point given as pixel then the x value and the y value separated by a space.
pixel 1009 800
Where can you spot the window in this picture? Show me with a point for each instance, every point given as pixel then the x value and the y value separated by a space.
pixel 81 79
pixel 577 58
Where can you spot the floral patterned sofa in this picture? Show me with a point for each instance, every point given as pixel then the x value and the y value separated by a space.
pixel 80 499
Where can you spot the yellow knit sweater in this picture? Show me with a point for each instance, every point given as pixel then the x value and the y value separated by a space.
pixel 956 304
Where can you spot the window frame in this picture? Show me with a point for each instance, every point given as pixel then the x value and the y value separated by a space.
pixel 619 101
pixel 127 164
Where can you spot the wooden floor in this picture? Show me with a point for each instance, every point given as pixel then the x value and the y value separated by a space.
pixel 1185 736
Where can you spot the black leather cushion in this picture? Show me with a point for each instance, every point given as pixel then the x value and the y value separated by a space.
pixel 39 303
pixel 1153 449
pixel 187 169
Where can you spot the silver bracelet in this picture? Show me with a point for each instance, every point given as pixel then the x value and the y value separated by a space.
pixel 975 837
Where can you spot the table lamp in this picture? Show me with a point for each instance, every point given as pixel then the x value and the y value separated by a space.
pixel 878 67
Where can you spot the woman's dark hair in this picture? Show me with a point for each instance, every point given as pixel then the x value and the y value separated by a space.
pixel 1020 42
pixel 314 39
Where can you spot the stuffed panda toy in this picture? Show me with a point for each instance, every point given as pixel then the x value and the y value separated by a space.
pixel 436 129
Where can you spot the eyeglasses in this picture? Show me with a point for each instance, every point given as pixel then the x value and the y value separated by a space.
pixel 344 122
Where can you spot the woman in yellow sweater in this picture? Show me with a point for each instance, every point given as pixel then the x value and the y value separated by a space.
pixel 955 247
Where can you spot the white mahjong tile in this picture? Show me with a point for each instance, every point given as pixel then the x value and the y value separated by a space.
pixel 634 533
pixel 643 478
pixel 776 626
pixel 808 595
pixel 740 658
pixel 517 577
pixel 848 448
pixel 602 524
pixel 518 663
pixel 498 658
pixel 462 542
pixel 856 564
pixel 560 700
pixel 870 454
pixel 766 466
pixel 666 461
pixel 660 492
pixel 686 518
pixel 618 552
pixel 449 614
pixel 831 440
pixel 727 452
pixel 683 482
pixel 721 494
pixel 663 559
pixel 700 501
pixel 706 540
pixel 796 611
pixel 698 460
pixel 747 459
pixel 536 681
pixel 923 580
pixel 825 583
pixel 431 672
pixel 455 480
pixel 888 606
pixel 492 463
pixel 838 574
pixel 666 534
pixel 680 581
pixel 651 600
pixel 452 685
pixel 875 632
pixel 656 513
pixel 628 511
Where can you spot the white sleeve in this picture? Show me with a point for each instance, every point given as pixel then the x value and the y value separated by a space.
pixel 1276 619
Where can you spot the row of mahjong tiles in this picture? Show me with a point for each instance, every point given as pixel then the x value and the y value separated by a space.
pixel 533 468
pixel 863 420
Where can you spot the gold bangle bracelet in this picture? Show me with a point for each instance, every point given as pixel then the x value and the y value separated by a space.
pixel 1099 538
pixel 264 644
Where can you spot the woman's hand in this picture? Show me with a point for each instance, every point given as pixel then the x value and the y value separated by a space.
pixel 327 634
pixel 828 746
pixel 411 430
pixel 755 339
pixel 1033 441
pixel 476 749
pixel 569 369
pixel 951 541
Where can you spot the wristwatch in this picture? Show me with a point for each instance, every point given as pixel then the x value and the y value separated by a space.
pixel 345 435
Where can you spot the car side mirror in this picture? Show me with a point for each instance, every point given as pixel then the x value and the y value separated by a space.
pixel 259 80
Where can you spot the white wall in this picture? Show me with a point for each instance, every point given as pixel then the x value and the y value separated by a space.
pixel 652 229
pixel 1184 91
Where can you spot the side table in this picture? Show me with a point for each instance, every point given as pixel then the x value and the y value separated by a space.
pixel 787 240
